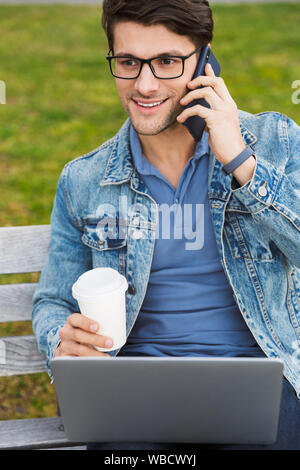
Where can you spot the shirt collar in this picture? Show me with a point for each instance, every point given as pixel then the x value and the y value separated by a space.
pixel 143 165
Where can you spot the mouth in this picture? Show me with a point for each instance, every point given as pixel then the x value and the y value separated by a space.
pixel 149 107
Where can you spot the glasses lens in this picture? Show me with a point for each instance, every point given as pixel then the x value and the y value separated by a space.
pixel 125 67
pixel 164 67
pixel 167 67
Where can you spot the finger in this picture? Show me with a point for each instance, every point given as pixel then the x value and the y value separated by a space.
pixel 197 110
pixel 76 334
pixel 77 320
pixel 207 92
pixel 73 330
pixel 82 350
pixel 71 348
pixel 65 333
pixel 91 339
pixel 217 83
pixel 209 71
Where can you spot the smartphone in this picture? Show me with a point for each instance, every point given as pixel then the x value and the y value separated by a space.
pixel 196 124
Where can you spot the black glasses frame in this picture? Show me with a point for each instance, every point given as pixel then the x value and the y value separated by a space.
pixel 149 62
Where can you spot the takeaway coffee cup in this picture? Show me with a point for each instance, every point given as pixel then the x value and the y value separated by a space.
pixel 100 294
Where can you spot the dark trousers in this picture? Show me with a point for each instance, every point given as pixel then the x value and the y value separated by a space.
pixel 288 433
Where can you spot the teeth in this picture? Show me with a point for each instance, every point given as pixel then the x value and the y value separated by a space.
pixel 149 105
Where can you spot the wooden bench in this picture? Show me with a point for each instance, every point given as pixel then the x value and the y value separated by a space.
pixel 24 250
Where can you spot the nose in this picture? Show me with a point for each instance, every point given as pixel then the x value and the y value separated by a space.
pixel 146 83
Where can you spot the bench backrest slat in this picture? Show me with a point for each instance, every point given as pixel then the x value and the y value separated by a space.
pixel 23 249
pixel 19 355
pixel 16 302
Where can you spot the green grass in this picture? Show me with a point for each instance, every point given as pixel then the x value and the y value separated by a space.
pixel 62 102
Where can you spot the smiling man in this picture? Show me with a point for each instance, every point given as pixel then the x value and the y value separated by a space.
pixel 236 292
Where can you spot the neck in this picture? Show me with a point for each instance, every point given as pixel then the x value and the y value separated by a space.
pixel 172 147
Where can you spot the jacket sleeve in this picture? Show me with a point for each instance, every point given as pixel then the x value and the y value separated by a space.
pixel 68 258
pixel 273 195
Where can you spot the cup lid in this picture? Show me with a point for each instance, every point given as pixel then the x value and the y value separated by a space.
pixel 99 281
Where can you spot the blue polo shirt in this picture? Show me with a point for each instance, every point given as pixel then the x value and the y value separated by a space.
pixel 188 309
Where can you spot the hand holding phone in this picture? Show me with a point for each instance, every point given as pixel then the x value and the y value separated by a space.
pixel 196 124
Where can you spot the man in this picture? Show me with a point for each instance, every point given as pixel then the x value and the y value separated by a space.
pixel 233 290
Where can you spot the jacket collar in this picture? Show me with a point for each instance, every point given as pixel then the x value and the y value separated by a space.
pixel 120 167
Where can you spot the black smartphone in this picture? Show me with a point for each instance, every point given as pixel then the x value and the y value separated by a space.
pixel 196 124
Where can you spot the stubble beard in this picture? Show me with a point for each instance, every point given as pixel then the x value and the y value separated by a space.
pixel 154 126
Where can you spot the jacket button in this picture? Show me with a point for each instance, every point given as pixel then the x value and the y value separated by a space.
pixel 137 234
pixel 131 289
pixel 262 190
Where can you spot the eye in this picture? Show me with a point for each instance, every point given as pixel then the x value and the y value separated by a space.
pixel 128 63
pixel 167 61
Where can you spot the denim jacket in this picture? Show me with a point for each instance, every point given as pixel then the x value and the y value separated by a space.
pixel 257 228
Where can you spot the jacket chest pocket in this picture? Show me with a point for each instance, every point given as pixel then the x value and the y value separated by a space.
pixel 107 238
pixel 247 238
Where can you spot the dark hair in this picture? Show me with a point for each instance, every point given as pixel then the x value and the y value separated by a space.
pixel 191 18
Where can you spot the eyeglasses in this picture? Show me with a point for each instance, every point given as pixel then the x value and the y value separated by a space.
pixel 164 67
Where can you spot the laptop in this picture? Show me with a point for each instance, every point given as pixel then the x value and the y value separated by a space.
pixel 169 399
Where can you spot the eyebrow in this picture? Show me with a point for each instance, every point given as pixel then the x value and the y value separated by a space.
pixel 173 52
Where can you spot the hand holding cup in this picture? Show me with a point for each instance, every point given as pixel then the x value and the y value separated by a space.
pixel 80 336
pixel 101 325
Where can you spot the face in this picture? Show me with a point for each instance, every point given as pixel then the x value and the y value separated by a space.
pixel 146 42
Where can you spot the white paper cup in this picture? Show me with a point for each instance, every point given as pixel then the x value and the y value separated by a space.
pixel 100 294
